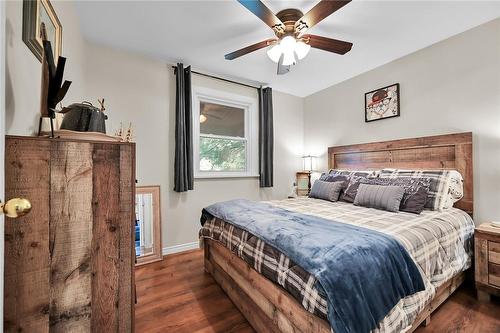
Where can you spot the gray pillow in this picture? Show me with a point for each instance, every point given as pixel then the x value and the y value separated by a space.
pixel 326 190
pixel 416 190
pixel 379 197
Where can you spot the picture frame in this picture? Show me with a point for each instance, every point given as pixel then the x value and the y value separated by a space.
pixel 36 12
pixel 382 103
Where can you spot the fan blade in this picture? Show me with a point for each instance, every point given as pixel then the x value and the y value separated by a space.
pixel 322 10
pixel 248 49
pixel 328 44
pixel 265 14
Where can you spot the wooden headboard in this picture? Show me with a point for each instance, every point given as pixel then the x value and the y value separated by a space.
pixel 451 151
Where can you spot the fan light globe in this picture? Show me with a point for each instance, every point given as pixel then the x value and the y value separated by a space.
pixel 274 53
pixel 288 44
pixel 302 49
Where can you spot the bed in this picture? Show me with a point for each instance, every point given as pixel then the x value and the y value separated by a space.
pixel 277 302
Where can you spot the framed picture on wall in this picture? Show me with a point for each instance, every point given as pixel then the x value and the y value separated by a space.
pixel 36 12
pixel 382 103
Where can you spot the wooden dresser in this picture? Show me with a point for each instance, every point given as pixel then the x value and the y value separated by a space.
pixel 69 263
pixel 487 260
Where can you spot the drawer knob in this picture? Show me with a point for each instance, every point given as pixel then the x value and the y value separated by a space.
pixel 15 207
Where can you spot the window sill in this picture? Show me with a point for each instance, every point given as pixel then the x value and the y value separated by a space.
pixel 215 176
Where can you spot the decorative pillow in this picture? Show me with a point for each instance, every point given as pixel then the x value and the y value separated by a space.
pixel 455 189
pixel 415 195
pixel 326 190
pixel 333 178
pixel 336 178
pixel 358 173
pixel 352 188
pixel 349 192
pixel 380 197
pixel 446 186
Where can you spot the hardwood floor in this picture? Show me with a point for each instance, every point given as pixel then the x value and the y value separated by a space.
pixel 176 295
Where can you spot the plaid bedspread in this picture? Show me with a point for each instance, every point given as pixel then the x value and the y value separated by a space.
pixel 439 242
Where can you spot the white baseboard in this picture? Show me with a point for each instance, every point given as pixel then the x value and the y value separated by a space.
pixel 180 248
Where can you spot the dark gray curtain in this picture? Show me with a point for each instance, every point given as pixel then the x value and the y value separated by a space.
pixel 183 168
pixel 266 137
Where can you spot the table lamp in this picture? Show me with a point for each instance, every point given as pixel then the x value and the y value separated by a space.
pixel 308 166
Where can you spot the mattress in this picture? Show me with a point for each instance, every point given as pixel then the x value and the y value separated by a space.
pixel 440 243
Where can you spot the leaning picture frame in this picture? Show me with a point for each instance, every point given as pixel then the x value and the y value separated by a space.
pixel 36 12
pixel 382 103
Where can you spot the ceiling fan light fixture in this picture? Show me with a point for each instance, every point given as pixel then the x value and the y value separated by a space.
pixel 288 47
pixel 302 49
pixel 274 52
pixel 203 118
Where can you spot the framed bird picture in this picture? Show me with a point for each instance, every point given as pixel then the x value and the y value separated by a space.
pixel 382 103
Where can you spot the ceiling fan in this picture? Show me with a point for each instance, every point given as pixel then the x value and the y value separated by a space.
pixel 289 25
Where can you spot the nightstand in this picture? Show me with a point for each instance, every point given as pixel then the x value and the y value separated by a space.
pixel 487 261
pixel 303 183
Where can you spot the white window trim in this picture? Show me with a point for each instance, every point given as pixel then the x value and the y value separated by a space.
pixel 202 94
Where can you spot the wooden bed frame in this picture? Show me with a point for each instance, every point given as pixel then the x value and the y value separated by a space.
pixel 268 307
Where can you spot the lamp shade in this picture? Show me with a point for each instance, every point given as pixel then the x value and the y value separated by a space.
pixel 308 162
pixel 274 53
pixel 302 49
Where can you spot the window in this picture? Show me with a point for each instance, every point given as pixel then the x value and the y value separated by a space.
pixel 225 129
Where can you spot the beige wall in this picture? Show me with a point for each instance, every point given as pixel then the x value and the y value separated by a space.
pixel 142 91
pixel 452 86
pixel 23 69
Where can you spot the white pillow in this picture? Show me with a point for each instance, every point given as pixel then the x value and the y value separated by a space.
pixel 455 189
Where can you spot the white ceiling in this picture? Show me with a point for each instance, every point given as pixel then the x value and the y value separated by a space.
pixel 201 32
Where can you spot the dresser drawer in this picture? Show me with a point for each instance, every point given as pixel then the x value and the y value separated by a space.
pixel 494 263
pixel 494 274
pixel 494 252
pixel 487 260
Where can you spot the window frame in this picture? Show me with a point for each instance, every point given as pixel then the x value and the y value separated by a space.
pixel 249 105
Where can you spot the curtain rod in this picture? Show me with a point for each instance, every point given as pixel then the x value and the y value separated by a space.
pixel 221 79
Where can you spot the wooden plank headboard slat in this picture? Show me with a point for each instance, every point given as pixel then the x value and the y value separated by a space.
pixel 391 148
pixel 449 151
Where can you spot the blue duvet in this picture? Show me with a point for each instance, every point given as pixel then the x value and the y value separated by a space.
pixel 364 273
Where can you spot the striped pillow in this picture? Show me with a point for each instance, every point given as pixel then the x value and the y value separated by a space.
pixel 379 197
pixel 326 190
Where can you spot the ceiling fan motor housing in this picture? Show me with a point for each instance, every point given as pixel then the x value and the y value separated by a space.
pixel 288 17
